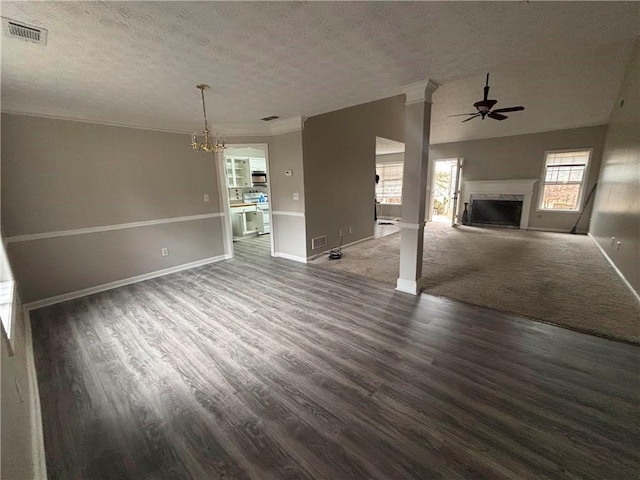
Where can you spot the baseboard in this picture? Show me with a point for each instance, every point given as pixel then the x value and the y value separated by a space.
pixel 615 267
pixel 37 437
pixel 555 230
pixel 408 286
pixel 357 242
pixel 121 283
pixel 326 252
pixel 288 256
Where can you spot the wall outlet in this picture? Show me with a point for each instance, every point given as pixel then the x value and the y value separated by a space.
pixel 350 229
pixel 613 240
pixel 618 245
pixel 340 232
pixel 206 197
pixel 165 252
pixel 296 196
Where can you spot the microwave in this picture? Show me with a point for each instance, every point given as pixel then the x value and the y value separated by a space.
pixel 259 178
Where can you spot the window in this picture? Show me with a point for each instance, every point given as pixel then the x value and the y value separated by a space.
pixel 389 188
pixel 6 293
pixel 563 180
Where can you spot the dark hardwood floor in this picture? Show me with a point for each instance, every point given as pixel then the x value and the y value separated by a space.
pixel 265 368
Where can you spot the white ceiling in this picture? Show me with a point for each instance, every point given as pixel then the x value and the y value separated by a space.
pixel 137 63
pixel 385 146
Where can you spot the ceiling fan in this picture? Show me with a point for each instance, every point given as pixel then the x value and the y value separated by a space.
pixel 484 108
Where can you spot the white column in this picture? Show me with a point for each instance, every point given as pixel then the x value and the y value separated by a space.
pixel 414 184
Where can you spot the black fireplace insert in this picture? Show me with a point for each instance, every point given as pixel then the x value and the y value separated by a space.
pixel 502 213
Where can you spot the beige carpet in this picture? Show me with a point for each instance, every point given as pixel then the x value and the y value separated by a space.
pixel 558 278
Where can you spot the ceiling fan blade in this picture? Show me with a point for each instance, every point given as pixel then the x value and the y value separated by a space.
pixel 471 118
pixel 496 116
pixel 508 109
pixel 463 114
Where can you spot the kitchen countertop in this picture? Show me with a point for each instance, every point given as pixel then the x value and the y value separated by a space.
pixel 248 204
pixel 242 205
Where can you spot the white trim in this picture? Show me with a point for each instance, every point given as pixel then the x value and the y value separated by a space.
pixel 121 283
pixel 287 214
pixel 318 255
pixel 555 230
pixel 288 256
pixel 411 226
pixel 620 274
pixel 286 125
pixel 516 186
pixel 37 437
pixel 224 194
pixel 408 286
pixel 583 183
pixel 275 127
pixel 107 228
pixel 357 242
pixel 419 91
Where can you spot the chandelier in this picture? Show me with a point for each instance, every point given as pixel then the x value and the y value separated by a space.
pixel 205 145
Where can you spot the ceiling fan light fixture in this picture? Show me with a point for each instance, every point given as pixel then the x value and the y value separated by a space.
pixel 484 108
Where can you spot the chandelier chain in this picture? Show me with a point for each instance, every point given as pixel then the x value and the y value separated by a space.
pixel 204 110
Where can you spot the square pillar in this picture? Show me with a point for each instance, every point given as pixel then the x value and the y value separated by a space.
pixel 414 184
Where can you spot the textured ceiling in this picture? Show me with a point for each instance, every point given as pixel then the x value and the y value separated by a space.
pixel 137 63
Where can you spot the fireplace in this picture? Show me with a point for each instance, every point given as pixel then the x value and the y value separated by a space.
pixel 496 212
pixel 489 197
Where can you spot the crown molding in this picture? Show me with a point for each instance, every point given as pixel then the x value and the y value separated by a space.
pixel 421 91
pixel 92 122
pixel 274 127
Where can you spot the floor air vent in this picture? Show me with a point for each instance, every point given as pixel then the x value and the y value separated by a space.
pixel 24 32
pixel 319 242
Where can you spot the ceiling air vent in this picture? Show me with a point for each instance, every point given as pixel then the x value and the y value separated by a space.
pixel 268 119
pixel 24 32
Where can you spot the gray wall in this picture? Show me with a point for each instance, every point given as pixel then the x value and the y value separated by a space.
pixel 616 211
pixel 522 156
pixel 339 162
pixel 61 175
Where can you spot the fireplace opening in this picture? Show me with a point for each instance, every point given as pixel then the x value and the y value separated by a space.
pixel 503 213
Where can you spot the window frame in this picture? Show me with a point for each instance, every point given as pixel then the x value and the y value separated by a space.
pixel 9 306
pixel 583 183
pixel 390 164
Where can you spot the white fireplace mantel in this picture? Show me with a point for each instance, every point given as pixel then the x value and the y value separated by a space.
pixel 523 186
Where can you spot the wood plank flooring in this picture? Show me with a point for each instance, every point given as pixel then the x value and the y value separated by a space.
pixel 261 368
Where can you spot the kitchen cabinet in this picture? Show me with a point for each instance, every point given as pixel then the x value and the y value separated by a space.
pixel 254 222
pixel 258 164
pixel 246 220
pixel 238 172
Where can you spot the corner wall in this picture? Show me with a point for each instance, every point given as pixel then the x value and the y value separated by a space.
pixel 339 162
pixel 84 205
pixel 616 210
pixel 522 156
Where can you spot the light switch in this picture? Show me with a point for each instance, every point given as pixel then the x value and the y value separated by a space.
pixel 206 197
pixel 296 196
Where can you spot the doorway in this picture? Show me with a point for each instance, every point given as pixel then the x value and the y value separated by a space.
pixel 246 198
pixel 444 188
